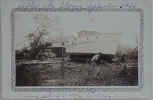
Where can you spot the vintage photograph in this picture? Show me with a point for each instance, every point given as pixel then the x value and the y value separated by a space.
pixel 64 48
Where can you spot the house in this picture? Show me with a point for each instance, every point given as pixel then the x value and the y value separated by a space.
pixel 89 43
pixel 86 44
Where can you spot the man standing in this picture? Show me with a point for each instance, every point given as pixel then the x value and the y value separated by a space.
pixel 94 70
pixel 96 58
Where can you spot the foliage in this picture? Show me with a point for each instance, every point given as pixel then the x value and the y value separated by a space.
pixel 37 40
pixel 122 55
pixel 37 45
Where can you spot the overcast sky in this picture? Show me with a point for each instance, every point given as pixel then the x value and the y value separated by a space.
pixel 69 23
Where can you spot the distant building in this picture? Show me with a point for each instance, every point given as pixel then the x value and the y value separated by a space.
pixel 88 43
pixel 94 42
pixel 57 48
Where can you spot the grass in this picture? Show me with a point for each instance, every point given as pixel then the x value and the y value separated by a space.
pixel 75 74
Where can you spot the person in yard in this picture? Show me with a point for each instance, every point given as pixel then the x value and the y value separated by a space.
pixel 95 61
pixel 96 58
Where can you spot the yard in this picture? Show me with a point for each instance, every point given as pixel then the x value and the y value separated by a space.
pixel 55 72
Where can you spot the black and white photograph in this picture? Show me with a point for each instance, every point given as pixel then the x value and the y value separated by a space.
pixel 64 48
pixel 76 49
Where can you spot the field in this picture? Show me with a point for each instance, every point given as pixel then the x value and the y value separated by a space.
pixel 57 72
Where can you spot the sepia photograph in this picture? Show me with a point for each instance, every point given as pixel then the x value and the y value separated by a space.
pixel 64 48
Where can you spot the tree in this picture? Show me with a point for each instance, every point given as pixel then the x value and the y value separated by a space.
pixel 37 43
pixel 37 40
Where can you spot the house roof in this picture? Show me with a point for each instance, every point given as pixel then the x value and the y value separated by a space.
pixel 106 43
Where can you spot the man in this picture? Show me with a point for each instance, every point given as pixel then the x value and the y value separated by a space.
pixel 94 70
pixel 96 58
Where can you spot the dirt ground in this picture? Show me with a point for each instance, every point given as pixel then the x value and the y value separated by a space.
pixel 58 73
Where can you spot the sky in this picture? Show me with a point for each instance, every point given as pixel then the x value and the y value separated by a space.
pixel 69 23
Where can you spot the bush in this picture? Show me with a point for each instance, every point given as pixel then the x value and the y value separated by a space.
pixel 124 55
